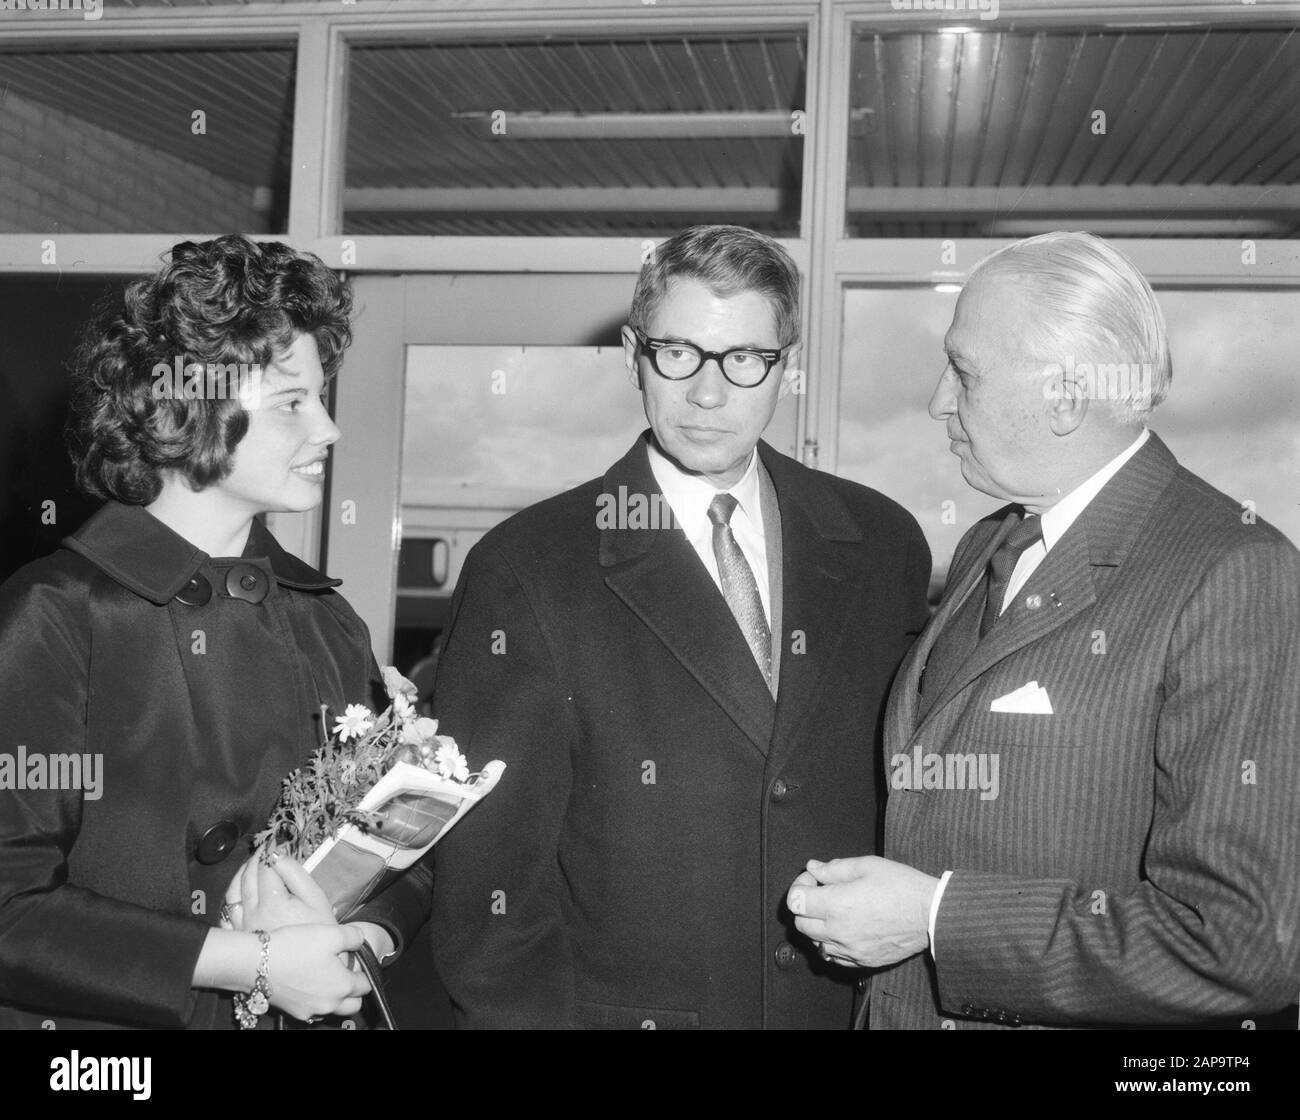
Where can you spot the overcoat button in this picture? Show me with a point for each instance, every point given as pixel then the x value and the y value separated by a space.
pixel 247 582
pixel 195 593
pixel 780 791
pixel 1033 602
pixel 217 842
pixel 785 955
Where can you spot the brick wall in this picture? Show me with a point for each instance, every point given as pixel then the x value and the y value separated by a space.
pixel 59 173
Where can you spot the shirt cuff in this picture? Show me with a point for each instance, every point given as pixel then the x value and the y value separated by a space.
pixel 934 905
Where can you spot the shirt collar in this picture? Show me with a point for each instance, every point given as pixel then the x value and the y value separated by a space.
pixel 1062 515
pixel 689 495
pixel 142 554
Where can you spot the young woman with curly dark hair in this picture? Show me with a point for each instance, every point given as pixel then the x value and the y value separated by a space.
pixel 159 674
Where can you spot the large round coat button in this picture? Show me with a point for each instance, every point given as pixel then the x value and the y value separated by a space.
pixel 247 582
pixel 780 791
pixel 195 593
pixel 785 955
pixel 217 842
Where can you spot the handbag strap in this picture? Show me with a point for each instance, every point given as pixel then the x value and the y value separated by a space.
pixel 378 990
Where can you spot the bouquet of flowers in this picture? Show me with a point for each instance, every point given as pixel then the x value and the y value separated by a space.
pixel 377 795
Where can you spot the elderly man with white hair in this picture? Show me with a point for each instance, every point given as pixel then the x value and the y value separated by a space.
pixel 1092 748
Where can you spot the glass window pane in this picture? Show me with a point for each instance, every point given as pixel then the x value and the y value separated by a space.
pixel 497 424
pixel 628 136
pixel 146 141
pixel 1230 415
pixel 968 131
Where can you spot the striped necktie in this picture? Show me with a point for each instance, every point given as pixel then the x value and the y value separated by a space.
pixel 1003 563
pixel 739 587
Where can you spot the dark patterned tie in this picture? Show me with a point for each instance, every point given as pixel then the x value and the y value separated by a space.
pixel 739 587
pixel 1003 563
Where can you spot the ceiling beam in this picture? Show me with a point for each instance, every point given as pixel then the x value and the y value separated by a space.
pixel 894 202
pixel 512 125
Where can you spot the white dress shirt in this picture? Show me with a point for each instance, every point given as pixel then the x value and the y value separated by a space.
pixel 1055 522
pixel 688 496
pixel 1062 515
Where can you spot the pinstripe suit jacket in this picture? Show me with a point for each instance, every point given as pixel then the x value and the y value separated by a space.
pixel 1140 863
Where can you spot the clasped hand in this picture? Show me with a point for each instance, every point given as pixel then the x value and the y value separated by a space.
pixel 865 912
pixel 310 971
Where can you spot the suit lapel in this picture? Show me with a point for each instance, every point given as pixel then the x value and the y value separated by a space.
pixel 1062 586
pixel 963 580
pixel 657 573
pixel 1066 583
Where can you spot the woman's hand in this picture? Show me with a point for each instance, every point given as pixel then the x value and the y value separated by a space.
pixel 283 894
pixel 307 974
pixel 271 896
pixel 307 968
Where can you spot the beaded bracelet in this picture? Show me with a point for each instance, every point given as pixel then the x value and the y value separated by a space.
pixel 251 1006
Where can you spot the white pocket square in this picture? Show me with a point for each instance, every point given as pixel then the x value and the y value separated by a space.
pixel 1028 699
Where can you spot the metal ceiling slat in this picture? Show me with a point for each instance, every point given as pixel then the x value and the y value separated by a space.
pixel 1053 109
pixel 607 80
pixel 683 176
pixel 1225 122
pixel 919 102
pixel 1149 67
pixel 1264 149
pixel 742 97
pixel 524 74
pixel 741 101
pixel 1086 141
pixel 885 118
pixel 459 70
pixel 717 158
pixel 1035 54
pixel 550 95
pixel 1190 123
pixel 794 152
pixel 1165 101
pixel 568 77
pixel 393 89
pixel 131 90
pixel 599 76
pixel 669 85
pixel 1233 144
pixel 634 83
pixel 545 168
pixel 954 83
pixel 967 143
pixel 1289 172
pixel 769 71
pixel 986 110
pixel 381 90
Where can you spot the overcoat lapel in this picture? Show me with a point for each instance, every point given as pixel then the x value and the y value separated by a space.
pixel 824 570
pixel 657 573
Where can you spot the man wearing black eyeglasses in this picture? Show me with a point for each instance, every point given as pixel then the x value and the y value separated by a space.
pixel 683 665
